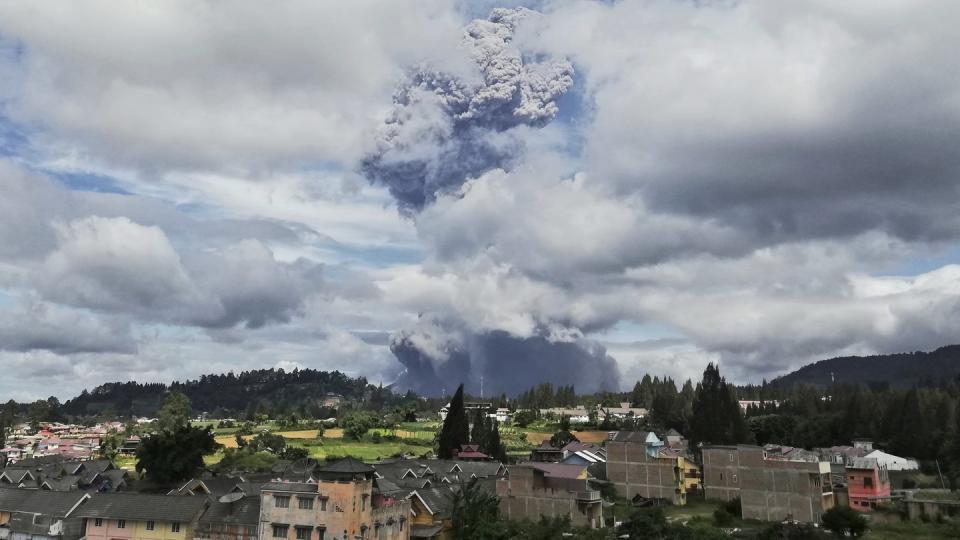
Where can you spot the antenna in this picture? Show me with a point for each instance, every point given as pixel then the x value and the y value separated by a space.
pixel 481 387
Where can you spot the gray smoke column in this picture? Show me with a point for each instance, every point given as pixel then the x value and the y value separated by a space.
pixel 445 129
pixel 508 364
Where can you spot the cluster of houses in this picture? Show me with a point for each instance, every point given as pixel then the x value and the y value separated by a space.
pixel 70 441
pixel 58 496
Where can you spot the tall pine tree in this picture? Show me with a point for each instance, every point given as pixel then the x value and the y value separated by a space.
pixel 716 413
pixel 456 428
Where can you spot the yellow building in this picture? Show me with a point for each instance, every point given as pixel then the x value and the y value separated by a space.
pixel 134 516
pixel 691 475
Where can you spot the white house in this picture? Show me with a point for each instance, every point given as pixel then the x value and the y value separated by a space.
pixel 892 462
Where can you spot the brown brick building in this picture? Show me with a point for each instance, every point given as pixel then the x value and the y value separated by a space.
pixel 533 490
pixel 770 489
pixel 636 466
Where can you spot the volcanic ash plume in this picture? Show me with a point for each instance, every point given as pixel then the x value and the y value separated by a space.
pixel 445 129
pixel 506 363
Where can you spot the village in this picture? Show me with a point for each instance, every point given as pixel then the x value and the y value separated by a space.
pixel 58 483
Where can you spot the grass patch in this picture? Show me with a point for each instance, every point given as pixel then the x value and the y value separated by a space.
pixel 914 530
pixel 365 450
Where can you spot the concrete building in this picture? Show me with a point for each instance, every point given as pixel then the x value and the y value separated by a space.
pixel 868 484
pixel 532 490
pixel 341 505
pixel 638 467
pixel 770 489
pixel 137 516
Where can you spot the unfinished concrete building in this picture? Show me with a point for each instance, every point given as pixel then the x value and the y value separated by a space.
pixel 533 490
pixel 637 467
pixel 770 488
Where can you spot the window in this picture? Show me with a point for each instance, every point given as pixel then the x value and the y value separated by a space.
pixel 734 479
pixel 363 503
pixel 280 531
pixel 867 482
pixel 121 524
pixel 306 503
pixel 150 525
pixel 323 532
pixel 281 501
pixel 98 522
pixel 323 505
pixel 251 531
pixel 175 527
pixel 303 533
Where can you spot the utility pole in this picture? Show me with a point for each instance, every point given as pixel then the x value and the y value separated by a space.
pixel 481 388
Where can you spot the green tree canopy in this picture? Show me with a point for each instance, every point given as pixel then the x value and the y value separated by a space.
pixel 175 413
pixel 173 456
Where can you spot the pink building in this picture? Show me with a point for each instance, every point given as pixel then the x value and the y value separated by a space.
pixel 868 484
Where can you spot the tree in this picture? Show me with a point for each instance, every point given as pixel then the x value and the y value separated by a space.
pixel 456 428
pixel 843 520
pixel 495 448
pixel 475 513
pixel 172 456
pixel 110 445
pixel 563 436
pixel 524 418
pixel 479 432
pixel 717 418
pixel 356 424
pixel 175 413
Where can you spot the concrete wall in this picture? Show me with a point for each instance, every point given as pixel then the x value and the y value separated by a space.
pixel 520 498
pixel 633 472
pixel 769 490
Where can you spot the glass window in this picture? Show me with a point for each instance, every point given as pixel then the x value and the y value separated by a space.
pixel 121 524
pixel 281 501
pixel 98 522
pixel 867 482
pixel 175 527
pixel 280 531
pixel 303 533
pixel 306 503
pixel 323 505
pixel 150 525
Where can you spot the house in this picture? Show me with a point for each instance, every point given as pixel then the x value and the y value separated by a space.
pixel 430 510
pixel 470 452
pixel 139 516
pixel 535 490
pixel 621 412
pixel 130 445
pixel 893 463
pixel 470 407
pixel 770 489
pixel 332 400
pixel 576 415
pixel 501 415
pixel 638 468
pixel 40 515
pixel 578 453
pixel 868 484
pixel 55 473
pixel 746 403
pixel 341 503
pixel 234 516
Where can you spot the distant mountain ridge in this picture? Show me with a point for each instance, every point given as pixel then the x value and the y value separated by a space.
pixel 903 370
pixel 230 393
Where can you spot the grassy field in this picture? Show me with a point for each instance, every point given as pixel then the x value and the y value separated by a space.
pixel 365 450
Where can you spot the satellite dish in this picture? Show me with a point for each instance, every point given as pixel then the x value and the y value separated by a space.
pixel 231 497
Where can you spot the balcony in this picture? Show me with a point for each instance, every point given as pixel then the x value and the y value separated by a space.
pixel 588 496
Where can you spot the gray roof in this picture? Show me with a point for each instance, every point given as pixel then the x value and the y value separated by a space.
pixel 862 463
pixel 425 531
pixel 245 511
pixel 142 507
pixel 630 436
pixel 11 498
pixel 348 465
pixel 438 499
pixel 52 503
pixel 295 487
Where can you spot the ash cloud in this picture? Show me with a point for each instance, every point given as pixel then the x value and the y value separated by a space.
pixel 508 364
pixel 446 128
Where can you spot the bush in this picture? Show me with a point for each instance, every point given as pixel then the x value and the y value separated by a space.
pixel 376 438
pixel 734 507
pixel 843 520
pixel 722 517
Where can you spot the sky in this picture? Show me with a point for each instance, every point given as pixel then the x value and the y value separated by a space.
pixel 430 192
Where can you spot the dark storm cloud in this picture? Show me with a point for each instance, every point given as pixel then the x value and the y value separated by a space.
pixel 447 128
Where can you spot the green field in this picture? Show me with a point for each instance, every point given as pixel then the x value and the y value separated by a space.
pixel 363 449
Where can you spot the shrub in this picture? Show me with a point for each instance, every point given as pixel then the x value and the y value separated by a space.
pixel 722 517
pixel 843 520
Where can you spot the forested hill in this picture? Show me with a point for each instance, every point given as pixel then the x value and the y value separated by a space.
pixel 231 393
pixel 904 370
